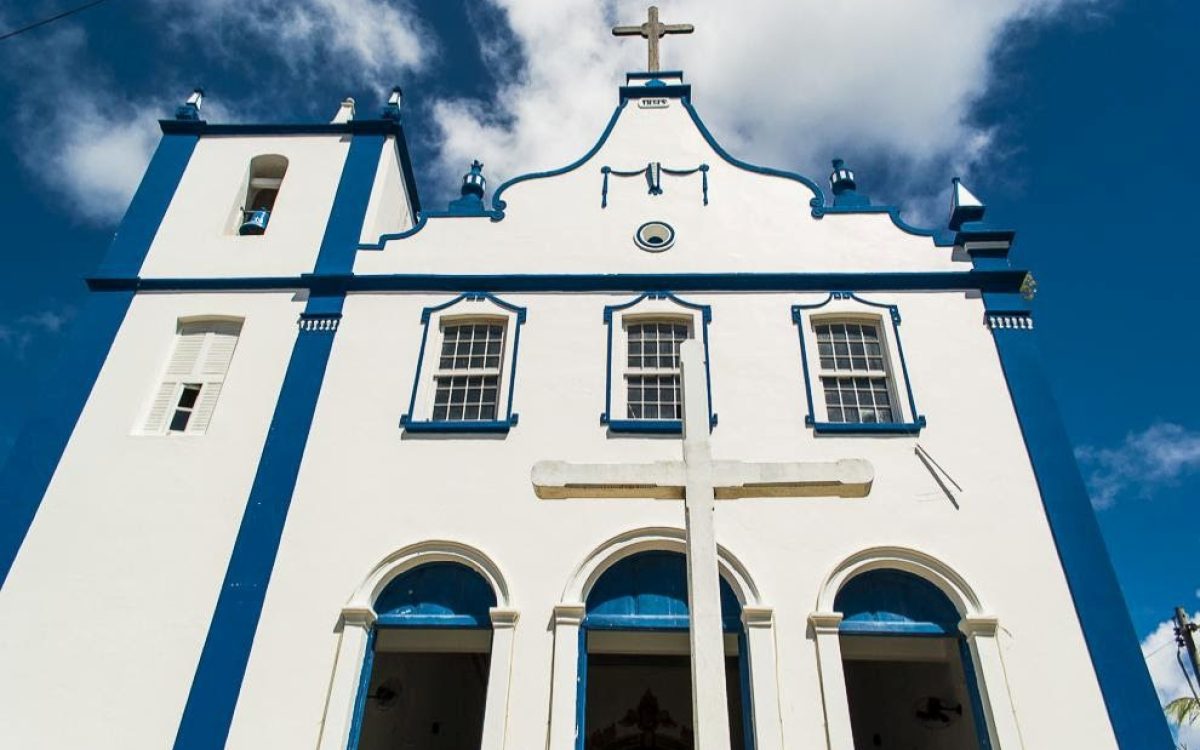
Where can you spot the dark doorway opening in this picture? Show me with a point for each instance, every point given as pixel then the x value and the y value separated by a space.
pixel 908 692
pixel 425 701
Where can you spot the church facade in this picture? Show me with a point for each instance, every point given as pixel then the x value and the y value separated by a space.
pixel 284 489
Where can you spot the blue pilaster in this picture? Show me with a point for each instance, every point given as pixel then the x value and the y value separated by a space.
pixel 350 206
pixel 222 667
pixel 66 387
pixel 1133 708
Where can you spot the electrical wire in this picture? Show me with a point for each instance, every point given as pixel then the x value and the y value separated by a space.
pixel 51 19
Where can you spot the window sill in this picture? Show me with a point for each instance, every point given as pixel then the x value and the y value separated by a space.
pixel 475 426
pixel 649 426
pixel 867 428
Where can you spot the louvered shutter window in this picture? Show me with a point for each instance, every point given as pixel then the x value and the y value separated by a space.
pixel 195 373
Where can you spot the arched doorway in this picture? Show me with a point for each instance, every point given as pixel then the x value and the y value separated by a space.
pixel 634 663
pixel 424 679
pixel 908 672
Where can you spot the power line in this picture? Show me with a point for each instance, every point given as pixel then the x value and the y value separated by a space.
pixel 51 19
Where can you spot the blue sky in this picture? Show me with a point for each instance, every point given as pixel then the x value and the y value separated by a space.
pixel 1071 118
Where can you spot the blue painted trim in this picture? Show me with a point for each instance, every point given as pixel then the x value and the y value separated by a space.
pixel 360 698
pixel 747 695
pixel 818 198
pixel 646 426
pixel 353 127
pixel 593 621
pixel 655 89
pixel 448 622
pixel 218 680
pixel 658 426
pixel 877 428
pixel 896 629
pixel 498 205
pixel 581 691
pixel 52 417
pixel 148 207
pixel 34 458
pixel 982 735
pixel 650 75
pixel 900 428
pixel 422 219
pixel 478 426
pixel 942 238
pixel 1133 709
pixel 349 210
pixel 997 281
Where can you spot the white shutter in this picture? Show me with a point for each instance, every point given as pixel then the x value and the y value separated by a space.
pixel 160 408
pixel 203 411
pixel 201 355
pixel 220 352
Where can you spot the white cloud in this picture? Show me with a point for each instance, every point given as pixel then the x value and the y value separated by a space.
pixel 1158 456
pixel 364 41
pixel 791 84
pixel 91 146
pixel 1160 651
pixel 17 335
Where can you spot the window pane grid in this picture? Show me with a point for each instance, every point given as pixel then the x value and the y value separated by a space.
pixel 467 384
pixel 466 397
pixel 857 400
pixel 850 347
pixel 472 346
pixel 652 385
pixel 653 397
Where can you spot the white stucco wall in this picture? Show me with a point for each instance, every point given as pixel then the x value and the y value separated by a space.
pixel 109 601
pixel 198 236
pixel 391 490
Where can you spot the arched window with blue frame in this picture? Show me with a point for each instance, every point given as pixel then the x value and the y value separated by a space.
pixel 909 675
pixel 634 662
pixel 424 678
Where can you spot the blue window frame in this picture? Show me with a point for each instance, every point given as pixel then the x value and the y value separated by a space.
pixel 434 595
pixel 895 603
pixel 642 393
pixel 868 392
pixel 468 384
pixel 647 591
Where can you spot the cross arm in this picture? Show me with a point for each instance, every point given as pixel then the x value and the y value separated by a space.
pixel 851 477
pixel 557 480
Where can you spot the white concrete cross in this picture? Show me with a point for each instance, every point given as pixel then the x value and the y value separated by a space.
pixel 699 481
pixel 653 30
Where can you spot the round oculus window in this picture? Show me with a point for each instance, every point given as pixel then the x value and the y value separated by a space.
pixel 654 236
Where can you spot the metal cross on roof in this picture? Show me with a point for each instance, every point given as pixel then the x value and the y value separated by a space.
pixel 652 30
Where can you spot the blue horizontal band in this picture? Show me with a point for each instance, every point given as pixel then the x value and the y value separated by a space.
pixel 1006 280
pixel 353 127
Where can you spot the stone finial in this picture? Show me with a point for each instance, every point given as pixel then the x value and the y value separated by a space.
pixel 473 182
pixel 845 189
pixel 473 185
pixel 391 110
pixel 190 109
pixel 345 112
pixel 964 206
